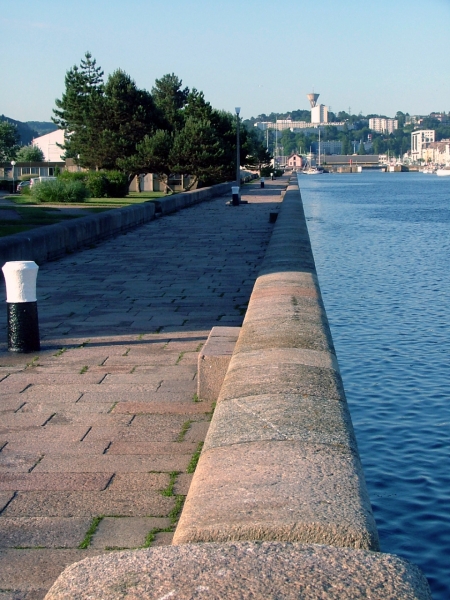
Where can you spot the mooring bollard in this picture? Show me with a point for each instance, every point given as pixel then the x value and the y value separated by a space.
pixel 262 182
pixel 235 195
pixel 23 324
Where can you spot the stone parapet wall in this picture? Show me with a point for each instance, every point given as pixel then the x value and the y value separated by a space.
pixel 280 458
pixel 54 241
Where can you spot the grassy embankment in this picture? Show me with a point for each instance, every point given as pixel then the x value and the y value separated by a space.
pixel 23 214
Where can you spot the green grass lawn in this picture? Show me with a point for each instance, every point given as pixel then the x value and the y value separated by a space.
pixel 36 215
pixel 31 217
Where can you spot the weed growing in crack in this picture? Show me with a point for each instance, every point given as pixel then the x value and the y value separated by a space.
pixel 90 532
pixel 183 431
pixel 194 460
pixel 168 491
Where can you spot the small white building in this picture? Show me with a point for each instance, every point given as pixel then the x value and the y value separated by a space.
pixel 48 143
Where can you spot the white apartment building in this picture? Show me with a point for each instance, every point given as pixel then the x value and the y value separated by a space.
pixel 49 145
pixel 297 126
pixel 419 141
pixel 319 114
pixel 382 125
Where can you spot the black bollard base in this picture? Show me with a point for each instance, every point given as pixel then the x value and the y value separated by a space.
pixel 235 199
pixel 262 184
pixel 23 327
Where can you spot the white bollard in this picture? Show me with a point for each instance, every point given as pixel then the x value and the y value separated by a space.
pixel 235 195
pixel 23 324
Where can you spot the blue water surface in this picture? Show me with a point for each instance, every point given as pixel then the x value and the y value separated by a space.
pixel 381 243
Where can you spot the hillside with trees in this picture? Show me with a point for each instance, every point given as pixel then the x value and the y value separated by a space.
pixel 352 136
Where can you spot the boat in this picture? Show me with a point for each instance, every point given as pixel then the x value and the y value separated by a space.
pixel 310 170
pixel 443 172
pixel 313 171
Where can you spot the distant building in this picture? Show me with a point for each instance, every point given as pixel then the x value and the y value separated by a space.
pixel 319 114
pixel 419 141
pixel 49 145
pixel 437 152
pixel 299 126
pixel 294 161
pixel 328 147
pixel 382 125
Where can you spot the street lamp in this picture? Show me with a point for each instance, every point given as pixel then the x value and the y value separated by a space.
pixel 235 189
pixel 13 164
pixel 238 158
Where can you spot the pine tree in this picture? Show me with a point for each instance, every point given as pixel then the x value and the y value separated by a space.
pixel 170 99
pixel 80 112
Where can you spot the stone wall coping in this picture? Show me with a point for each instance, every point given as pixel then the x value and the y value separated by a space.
pixel 242 571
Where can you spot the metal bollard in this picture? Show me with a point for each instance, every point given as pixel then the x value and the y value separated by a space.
pixel 262 182
pixel 235 195
pixel 23 324
pixel 271 175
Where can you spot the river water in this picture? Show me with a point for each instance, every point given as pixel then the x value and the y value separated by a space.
pixel 381 243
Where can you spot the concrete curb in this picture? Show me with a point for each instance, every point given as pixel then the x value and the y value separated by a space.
pixel 54 241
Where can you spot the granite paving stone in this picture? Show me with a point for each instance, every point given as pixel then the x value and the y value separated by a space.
pixel 95 423
pixel 90 504
pixel 56 482
pixel 42 532
pixel 116 463
pixel 126 532
pixel 35 570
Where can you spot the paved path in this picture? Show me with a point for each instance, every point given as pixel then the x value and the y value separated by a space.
pixel 97 431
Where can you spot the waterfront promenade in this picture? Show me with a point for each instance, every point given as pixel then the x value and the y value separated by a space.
pixel 98 429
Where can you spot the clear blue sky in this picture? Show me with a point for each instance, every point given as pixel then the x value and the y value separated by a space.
pixel 375 57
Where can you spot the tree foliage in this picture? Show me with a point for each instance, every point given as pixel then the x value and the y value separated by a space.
pixel 30 154
pixel 173 129
pixel 9 139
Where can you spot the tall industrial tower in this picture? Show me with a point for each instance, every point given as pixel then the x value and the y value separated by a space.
pixel 319 112
pixel 313 99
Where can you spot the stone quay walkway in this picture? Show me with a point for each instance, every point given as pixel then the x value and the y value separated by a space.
pixel 100 430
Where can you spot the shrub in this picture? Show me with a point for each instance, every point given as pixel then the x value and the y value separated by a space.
pixel 59 191
pixel 266 171
pixel 96 183
pixel 112 184
pixel 116 185
pixel 73 176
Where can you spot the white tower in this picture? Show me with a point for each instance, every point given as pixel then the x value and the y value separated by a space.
pixel 319 112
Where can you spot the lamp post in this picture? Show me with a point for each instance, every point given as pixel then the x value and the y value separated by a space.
pixel 235 189
pixel 238 158
pixel 13 164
